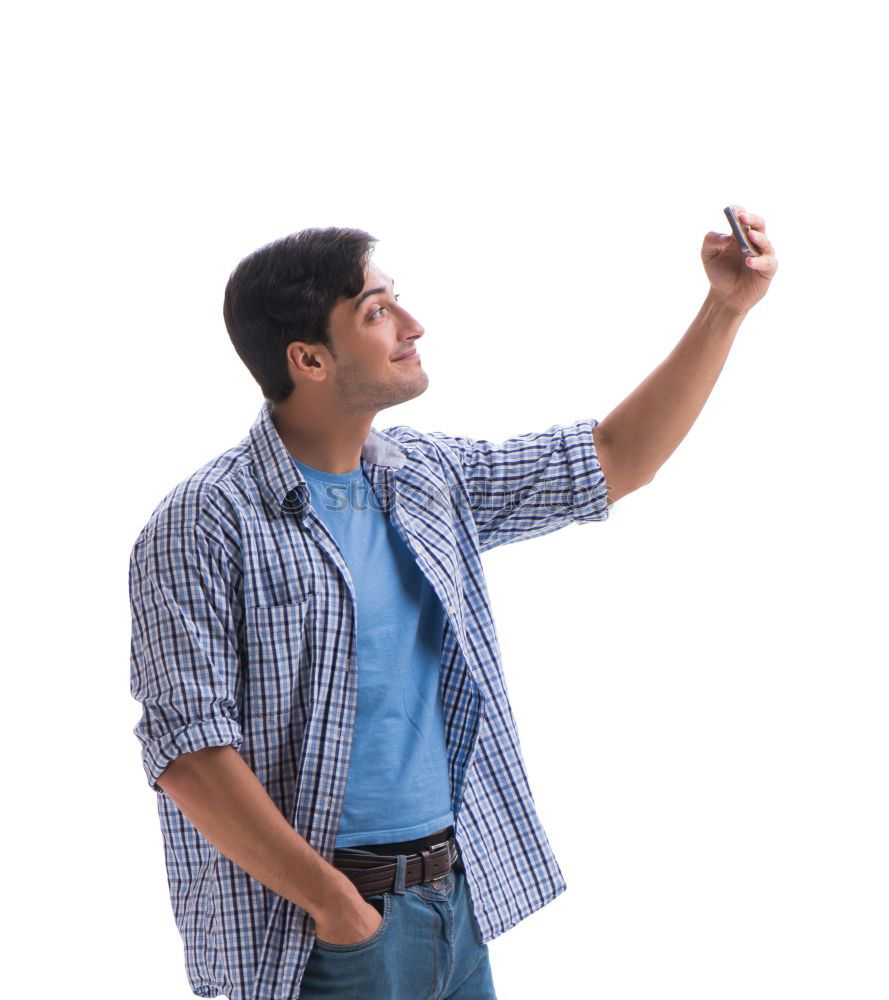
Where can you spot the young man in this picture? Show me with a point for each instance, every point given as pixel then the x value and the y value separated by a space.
pixel 342 795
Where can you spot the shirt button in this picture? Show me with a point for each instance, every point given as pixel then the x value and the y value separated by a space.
pixel 452 608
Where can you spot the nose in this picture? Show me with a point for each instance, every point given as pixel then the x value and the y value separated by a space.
pixel 417 328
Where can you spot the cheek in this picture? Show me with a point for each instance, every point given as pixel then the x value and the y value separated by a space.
pixel 383 348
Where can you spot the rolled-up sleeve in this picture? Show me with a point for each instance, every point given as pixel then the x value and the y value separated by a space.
pixel 531 484
pixel 184 663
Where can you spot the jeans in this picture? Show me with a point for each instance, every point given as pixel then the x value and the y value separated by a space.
pixel 426 948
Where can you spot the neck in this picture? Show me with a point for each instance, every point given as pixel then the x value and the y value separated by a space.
pixel 330 442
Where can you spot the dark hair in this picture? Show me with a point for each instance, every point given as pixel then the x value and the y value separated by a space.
pixel 285 291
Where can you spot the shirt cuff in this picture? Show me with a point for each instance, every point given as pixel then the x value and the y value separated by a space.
pixel 590 489
pixel 205 733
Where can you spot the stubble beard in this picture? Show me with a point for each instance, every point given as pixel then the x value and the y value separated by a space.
pixel 356 393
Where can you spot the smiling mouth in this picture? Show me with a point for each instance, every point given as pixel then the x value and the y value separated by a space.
pixel 408 356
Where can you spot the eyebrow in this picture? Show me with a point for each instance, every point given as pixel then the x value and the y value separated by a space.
pixel 373 291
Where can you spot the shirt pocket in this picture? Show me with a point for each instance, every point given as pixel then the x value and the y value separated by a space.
pixel 277 675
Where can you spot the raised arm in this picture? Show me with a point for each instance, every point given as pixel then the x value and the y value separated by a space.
pixel 640 434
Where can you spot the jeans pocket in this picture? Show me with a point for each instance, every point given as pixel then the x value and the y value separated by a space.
pixel 383 902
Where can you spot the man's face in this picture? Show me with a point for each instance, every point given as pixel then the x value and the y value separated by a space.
pixel 370 332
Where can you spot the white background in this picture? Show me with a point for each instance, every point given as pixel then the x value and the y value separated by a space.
pixel 700 681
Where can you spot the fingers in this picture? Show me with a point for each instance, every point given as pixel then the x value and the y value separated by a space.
pixel 756 233
pixel 754 221
pixel 761 240
pixel 767 263
pixel 755 230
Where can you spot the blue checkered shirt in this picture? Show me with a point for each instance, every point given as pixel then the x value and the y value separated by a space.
pixel 244 634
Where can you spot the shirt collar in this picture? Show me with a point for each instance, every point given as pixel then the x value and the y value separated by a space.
pixel 281 482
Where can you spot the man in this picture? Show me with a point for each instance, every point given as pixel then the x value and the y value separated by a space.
pixel 342 795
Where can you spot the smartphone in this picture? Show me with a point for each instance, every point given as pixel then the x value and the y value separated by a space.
pixel 738 230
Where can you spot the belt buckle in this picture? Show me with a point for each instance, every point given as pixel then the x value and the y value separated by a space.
pixel 425 855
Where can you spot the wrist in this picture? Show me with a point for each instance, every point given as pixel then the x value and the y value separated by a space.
pixel 339 894
pixel 718 307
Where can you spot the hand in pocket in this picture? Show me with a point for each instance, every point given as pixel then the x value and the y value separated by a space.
pixel 351 925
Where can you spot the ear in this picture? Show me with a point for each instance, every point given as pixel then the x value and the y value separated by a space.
pixel 310 361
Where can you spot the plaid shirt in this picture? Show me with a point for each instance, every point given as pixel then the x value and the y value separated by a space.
pixel 244 634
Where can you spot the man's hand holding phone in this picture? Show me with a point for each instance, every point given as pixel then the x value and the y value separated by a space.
pixel 741 265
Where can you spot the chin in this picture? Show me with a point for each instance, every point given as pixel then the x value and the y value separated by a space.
pixel 418 391
pixel 416 387
pixel 422 384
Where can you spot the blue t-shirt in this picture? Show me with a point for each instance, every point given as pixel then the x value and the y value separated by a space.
pixel 398 786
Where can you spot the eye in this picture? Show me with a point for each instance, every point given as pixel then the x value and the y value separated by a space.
pixel 381 308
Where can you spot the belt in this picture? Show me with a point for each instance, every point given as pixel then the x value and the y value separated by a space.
pixel 372 875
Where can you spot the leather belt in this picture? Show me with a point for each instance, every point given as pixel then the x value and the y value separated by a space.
pixel 372 875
